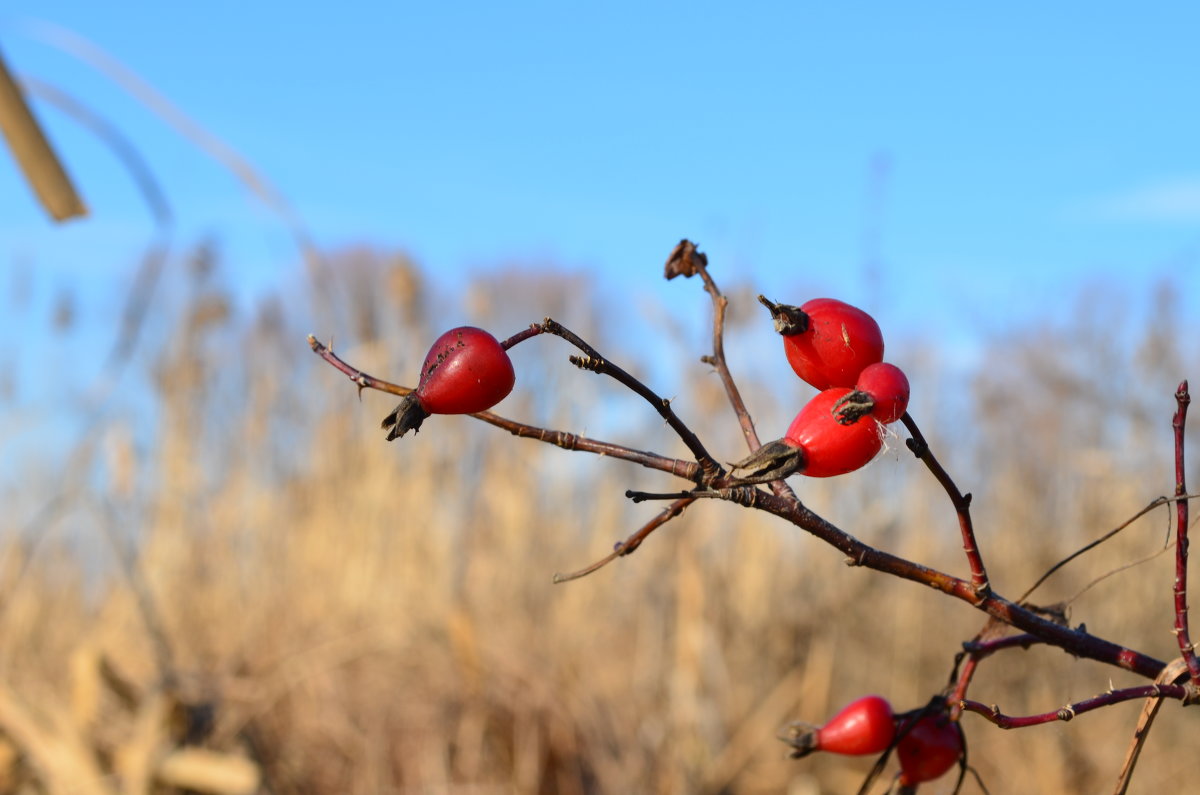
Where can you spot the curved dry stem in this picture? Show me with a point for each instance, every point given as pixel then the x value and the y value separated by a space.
pixel 1175 670
pixel 1157 501
pixel 627 547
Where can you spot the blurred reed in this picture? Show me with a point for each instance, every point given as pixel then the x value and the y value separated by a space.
pixel 343 615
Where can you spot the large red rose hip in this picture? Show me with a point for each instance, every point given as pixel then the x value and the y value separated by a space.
pixel 466 370
pixel 827 342
pixel 816 444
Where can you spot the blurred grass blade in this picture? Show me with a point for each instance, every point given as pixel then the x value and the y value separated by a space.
pixel 32 150
pixel 85 50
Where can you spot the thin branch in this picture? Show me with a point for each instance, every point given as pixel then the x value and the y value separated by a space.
pixel 1156 502
pixel 597 363
pixel 688 470
pixel 360 378
pixel 960 501
pixel 987 648
pixel 1156 690
pixel 746 496
pixel 631 543
pixel 975 651
pixel 718 361
pixel 533 331
pixel 1186 648
pixel 1074 641
pixel 1131 565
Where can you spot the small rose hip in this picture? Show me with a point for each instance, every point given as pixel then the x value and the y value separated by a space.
pixel 864 726
pixel 881 391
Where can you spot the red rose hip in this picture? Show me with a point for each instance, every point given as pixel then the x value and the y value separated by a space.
pixel 831 448
pixel 467 370
pixel 931 747
pixel 827 342
pixel 881 391
pixel 816 444
pixel 864 726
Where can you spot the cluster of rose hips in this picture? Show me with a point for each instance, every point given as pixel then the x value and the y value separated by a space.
pixel 833 346
pixel 927 742
pixel 838 349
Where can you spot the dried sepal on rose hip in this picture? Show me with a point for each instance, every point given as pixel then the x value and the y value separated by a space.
pixel 816 445
pixel 864 726
pixel 467 370
pixel 827 342
pixel 881 391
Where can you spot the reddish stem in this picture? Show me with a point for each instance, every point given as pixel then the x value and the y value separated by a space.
pixel 993 714
pixel 976 651
pixel 960 501
pixel 985 648
pixel 1186 648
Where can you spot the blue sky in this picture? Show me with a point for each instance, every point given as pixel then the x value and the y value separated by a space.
pixel 1029 147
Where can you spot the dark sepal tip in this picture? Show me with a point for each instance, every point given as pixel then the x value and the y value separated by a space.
pixel 773 461
pixel 407 416
pixel 802 737
pixel 788 319
pixel 852 407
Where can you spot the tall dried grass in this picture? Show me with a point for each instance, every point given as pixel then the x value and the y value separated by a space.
pixel 343 615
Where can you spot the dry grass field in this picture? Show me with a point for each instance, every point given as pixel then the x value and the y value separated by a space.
pixel 233 584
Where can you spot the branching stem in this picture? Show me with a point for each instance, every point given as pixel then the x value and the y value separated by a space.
pixel 1182 399
pixel 994 715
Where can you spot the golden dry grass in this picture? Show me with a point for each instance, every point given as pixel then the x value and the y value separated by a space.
pixel 344 615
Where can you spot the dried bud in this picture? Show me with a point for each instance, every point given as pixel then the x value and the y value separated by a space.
pixel 684 260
